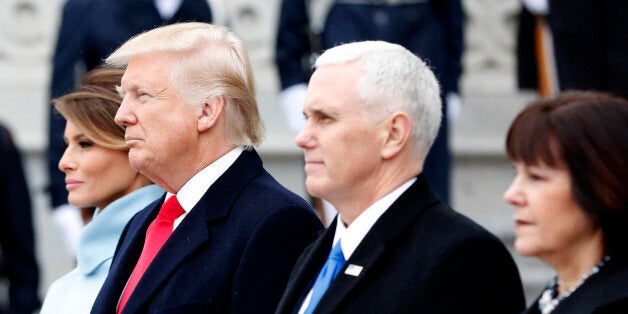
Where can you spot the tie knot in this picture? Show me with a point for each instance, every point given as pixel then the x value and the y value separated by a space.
pixel 336 253
pixel 171 209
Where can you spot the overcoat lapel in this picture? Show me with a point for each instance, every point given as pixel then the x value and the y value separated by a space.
pixel 601 289
pixel 191 234
pixel 307 268
pixel 128 253
pixel 194 230
pixel 344 283
pixel 407 208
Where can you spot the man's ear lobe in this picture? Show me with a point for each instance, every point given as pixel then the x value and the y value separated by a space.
pixel 399 129
pixel 209 113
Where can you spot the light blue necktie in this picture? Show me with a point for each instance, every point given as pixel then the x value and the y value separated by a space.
pixel 331 268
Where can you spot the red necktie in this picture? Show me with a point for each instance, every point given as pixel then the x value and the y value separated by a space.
pixel 156 235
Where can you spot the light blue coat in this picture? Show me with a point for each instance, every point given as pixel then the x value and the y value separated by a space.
pixel 76 291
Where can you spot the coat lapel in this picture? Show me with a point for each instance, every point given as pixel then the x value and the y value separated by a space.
pixel 126 257
pixel 403 211
pixel 344 283
pixel 188 236
pixel 597 292
pixel 305 271
pixel 194 230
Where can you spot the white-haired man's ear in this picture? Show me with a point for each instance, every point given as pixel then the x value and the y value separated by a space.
pixel 397 131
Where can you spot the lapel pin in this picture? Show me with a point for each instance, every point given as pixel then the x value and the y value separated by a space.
pixel 353 270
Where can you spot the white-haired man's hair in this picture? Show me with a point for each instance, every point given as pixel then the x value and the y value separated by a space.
pixel 211 61
pixel 394 80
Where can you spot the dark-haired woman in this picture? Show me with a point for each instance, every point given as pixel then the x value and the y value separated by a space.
pixel 570 195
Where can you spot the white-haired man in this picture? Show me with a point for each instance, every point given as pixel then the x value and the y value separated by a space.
pixel 373 111
pixel 227 234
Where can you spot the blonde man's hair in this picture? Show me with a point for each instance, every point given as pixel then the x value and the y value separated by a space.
pixel 211 62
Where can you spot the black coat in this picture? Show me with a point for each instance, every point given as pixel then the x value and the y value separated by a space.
pixel 419 257
pixel 17 261
pixel 232 253
pixel 603 293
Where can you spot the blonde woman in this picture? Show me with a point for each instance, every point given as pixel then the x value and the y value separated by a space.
pixel 97 174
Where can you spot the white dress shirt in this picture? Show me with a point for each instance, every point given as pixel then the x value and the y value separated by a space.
pixel 193 190
pixel 353 235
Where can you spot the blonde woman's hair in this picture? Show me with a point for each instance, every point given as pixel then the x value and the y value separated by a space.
pixel 93 106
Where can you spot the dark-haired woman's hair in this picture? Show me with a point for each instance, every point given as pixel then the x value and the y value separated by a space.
pixel 586 133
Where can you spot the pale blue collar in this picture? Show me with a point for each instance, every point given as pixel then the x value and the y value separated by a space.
pixel 99 238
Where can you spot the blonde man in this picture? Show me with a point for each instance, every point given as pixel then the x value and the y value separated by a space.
pixel 191 121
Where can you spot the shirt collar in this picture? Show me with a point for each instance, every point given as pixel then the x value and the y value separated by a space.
pixel 353 234
pixel 193 190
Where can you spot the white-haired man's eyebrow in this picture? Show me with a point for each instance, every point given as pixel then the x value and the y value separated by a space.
pixel 321 111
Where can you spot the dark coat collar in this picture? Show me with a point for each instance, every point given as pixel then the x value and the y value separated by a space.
pixel 191 234
pixel 600 290
pixel 403 211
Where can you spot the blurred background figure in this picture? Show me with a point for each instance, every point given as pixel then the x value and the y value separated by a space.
pixel 585 49
pixel 97 174
pixel 570 196
pixel 17 256
pixel 433 30
pixel 91 30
